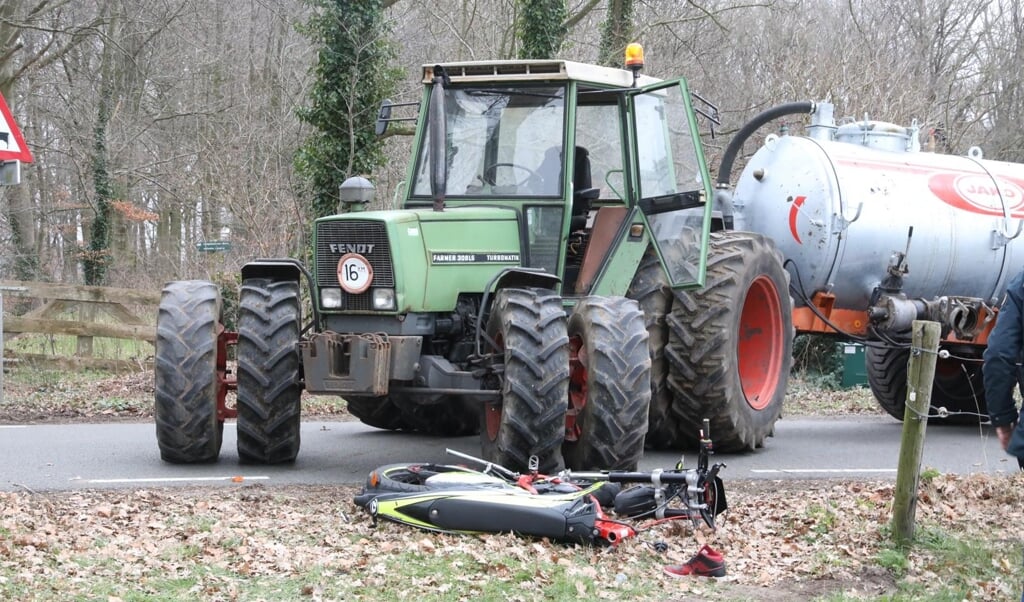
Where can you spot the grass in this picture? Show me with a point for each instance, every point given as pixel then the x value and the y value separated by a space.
pixel 67 345
pixel 824 518
pixel 409 575
pixel 964 562
pixel 54 378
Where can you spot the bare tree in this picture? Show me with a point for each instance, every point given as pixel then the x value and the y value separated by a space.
pixel 201 99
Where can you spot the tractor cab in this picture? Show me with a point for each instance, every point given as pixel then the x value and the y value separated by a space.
pixel 596 162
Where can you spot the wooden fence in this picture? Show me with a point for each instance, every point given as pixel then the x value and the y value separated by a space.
pixel 97 312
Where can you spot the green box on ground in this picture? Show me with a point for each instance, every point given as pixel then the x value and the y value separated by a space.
pixel 855 373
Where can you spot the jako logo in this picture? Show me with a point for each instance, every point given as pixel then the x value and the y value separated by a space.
pixel 979 193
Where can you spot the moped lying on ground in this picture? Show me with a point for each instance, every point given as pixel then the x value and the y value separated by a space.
pixel 570 507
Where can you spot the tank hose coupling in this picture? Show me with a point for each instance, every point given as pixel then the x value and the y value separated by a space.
pixel 895 314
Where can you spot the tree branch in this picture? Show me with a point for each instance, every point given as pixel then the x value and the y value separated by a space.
pixel 572 20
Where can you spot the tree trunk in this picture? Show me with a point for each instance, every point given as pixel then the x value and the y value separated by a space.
pixel 616 32
pixel 97 258
pixel 23 233
pixel 540 27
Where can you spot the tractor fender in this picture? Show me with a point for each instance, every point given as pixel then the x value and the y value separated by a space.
pixel 280 270
pixel 522 277
pixel 274 269
pixel 510 278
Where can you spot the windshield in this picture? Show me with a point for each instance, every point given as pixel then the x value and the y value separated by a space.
pixel 501 142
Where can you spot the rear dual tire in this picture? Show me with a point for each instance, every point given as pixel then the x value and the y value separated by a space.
pixel 610 385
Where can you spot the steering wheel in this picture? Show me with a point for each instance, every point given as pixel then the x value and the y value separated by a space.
pixel 490 173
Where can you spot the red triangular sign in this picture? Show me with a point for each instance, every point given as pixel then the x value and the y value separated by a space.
pixel 12 144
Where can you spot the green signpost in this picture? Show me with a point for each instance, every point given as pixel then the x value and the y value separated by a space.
pixel 213 246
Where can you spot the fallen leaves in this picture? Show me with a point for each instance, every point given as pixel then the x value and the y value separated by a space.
pixel 47 396
pixel 777 535
pixel 796 539
pixel 43 396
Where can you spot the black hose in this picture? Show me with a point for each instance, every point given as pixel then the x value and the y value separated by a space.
pixel 790 108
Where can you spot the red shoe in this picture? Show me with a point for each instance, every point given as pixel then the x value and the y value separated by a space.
pixel 706 563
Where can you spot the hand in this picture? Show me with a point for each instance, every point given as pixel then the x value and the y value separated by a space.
pixel 1003 433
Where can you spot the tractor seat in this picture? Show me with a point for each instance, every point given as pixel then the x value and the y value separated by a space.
pixel 583 192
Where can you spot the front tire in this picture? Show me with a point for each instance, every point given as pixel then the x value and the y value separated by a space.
pixel 730 343
pixel 528 327
pixel 609 384
pixel 269 390
pixel 186 386
pixel 412 478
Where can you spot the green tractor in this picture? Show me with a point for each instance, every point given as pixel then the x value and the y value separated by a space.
pixel 558 280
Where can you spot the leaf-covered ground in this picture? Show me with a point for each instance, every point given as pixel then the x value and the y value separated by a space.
pixel 782 540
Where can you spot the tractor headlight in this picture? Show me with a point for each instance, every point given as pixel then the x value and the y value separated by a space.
pixel 384 299
pixel 330 298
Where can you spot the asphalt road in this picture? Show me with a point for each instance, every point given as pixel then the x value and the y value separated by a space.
pixel 86 456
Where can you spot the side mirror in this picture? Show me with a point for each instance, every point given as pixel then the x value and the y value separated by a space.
pixel 383 117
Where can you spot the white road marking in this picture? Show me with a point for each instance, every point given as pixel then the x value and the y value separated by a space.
pixel 13 426
pixel 238 478
pixel 818 470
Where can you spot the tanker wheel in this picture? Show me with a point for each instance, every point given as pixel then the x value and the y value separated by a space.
pixel 650 288
pixel 957 386
pixel 186 385
pixel 887 377
pixel 730 344
pixel 269 389
pixel 451 417
pixel 526 330
pixel 609 385
pixel 378 412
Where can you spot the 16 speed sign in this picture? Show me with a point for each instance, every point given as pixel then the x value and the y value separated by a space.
pixel 354 273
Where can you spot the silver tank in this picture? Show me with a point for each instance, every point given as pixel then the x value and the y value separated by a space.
pixel 841 203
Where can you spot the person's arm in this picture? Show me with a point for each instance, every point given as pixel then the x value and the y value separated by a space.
pixel 1005 344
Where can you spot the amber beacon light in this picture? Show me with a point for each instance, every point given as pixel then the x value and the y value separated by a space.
pixel 634 59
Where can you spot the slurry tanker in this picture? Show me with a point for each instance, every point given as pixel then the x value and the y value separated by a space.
pixel 877 233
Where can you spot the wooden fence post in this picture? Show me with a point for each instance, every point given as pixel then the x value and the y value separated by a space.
pixel 89 302
pixel 920 374
pixel 83 343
